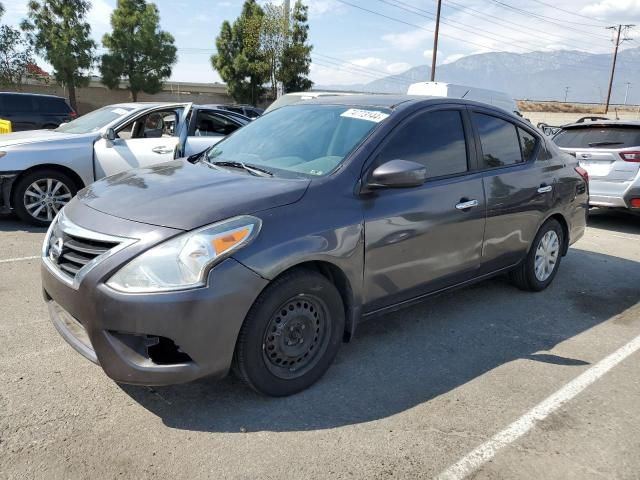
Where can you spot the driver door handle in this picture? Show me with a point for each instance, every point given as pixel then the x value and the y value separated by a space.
pixel 545 189
pixel 162 149
pixel 467 204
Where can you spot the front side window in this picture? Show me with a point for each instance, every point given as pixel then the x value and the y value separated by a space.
pixel 299 139
pixel 499 140
pixel 434 139
pixel 153 125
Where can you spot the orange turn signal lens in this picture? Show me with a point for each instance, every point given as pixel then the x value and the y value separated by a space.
pixel 226 241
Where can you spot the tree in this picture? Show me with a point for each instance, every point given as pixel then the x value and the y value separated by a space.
pixel 240 60
pixel 16 55
pixel 1 10
pixel 59 33
pixel 273 39
pixel 139 52
pixel 296 57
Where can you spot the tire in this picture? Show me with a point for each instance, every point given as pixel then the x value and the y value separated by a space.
pixel 48 181
pixel 291 334
pixel 525 276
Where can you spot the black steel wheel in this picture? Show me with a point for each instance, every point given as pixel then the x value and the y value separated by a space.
pixel 296 336
pixel 291 334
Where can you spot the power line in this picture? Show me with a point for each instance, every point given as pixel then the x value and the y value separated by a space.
pixel 571 13
pixel 494 37
pixel 580 65
pixel 543 18
pixel 508 23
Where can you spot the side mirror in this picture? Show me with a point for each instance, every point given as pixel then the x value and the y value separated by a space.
pixel 397 174
pixel 109 134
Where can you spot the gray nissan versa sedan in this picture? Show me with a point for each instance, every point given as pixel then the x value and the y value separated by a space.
pixel 264 252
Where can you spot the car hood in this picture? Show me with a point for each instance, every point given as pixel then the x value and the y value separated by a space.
pixel 184 196
pixel 33 136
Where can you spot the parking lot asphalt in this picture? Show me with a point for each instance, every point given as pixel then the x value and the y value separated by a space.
pixel 411 396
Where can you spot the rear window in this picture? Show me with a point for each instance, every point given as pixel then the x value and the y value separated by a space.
pixel 598 137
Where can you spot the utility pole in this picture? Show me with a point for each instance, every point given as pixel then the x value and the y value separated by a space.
pixel 618 31
pixel 566 92
pixel 626 93
pixel 435 43
pixel 286 7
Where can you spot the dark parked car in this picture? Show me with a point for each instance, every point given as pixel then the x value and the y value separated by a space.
pixel 30 111
pixel 265 251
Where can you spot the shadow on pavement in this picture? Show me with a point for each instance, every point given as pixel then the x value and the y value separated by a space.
pixel 11 223
pixel 614 220
pixel 409 357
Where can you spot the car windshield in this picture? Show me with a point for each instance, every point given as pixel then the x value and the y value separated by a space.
pixel 301 139
pixel 94 121
pixel 598 137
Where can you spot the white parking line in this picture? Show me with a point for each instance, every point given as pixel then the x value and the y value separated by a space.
pixel 517 429
pixel 18 259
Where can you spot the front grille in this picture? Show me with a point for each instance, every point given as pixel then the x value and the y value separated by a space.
pixel 70 251
pixel 77 252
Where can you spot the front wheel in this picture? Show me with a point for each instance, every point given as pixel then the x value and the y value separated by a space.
pixel 540 266
pixel 291 334
pixel 39 196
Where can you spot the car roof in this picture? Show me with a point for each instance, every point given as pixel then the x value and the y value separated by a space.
pixel 395 101
pixel 26 94
pixel 604 123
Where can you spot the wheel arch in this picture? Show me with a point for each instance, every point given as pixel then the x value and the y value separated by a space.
pixel 339 278
pixel 48 166
pixel 565 229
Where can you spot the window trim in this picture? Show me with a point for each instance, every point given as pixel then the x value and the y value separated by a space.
pixel 516 123
pixel 372 161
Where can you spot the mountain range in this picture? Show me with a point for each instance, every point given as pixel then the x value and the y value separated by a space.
pixel 528 76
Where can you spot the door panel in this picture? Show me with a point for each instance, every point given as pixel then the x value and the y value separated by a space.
pixel 417 241
pixel 120 155
pixel 519 189
pixel 422 239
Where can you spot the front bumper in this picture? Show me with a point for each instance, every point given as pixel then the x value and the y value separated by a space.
pixel 153 339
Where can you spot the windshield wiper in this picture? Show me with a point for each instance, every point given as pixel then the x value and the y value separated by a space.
pixel 253 170
pixel 602 144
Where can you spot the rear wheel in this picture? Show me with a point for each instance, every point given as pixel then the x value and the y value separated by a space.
pixel 38 196
pixel 291 334
pixel 538 270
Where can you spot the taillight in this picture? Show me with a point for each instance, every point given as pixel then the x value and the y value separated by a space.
pixel 583 173
pixel 73 114
pixel 630 156
pixel 635 202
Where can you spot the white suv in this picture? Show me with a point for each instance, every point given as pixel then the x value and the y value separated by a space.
pixel 610 152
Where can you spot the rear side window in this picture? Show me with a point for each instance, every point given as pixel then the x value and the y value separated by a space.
pixel 499 140
pixel 527 144
pixel 598 137
pixel 17 103
pixel 209 124
pixel 434 139
pixel 51 105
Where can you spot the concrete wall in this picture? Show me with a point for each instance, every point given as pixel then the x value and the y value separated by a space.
pixel 97 95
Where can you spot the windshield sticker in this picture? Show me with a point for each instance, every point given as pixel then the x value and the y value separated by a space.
pixel 369 115
pixel 119 111
pixel 315 172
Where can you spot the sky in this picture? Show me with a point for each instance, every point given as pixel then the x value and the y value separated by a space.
pixel 357 41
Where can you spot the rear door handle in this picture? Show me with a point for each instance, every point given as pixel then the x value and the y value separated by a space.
pixel 467 205
pixel 545 189
pixel 162 149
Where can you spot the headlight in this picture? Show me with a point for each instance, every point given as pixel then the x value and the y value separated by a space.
pixel 184 261
pixel 2 154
